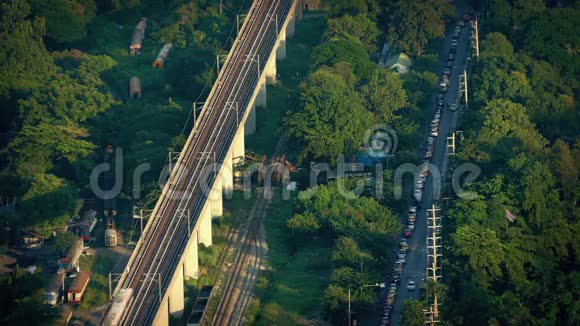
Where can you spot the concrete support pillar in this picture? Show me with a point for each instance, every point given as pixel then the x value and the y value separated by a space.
pixel 216 197
pixel 262 98
pixel 281 50
pixel 162 316
pixel 238 145
pixel 191 261
pixel 291 28
pixel 250 125
pixel 227 171
pixel 177 294
pixel 270 70
pixel 204 224
pixel 299 9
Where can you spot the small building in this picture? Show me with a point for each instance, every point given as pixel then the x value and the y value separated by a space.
pixel 135 87
pixel 54 292
pixel 163 53
pixel 400 62
pixel 138 36
pixel 32 240
pixel 311 4
pixel 78 287
pixel 71 260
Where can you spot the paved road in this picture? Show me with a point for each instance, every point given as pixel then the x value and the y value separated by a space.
pixel 415 266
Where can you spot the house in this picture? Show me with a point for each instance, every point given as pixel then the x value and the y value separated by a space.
pixel 400 62
pixel 311 4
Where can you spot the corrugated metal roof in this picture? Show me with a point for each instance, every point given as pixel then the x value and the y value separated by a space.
pixel 80 281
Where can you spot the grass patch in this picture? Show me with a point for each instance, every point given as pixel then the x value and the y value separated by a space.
pixel 292 291
pixel 97 293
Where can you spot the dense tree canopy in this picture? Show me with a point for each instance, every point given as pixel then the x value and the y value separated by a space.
pixel 331 118
pixel 359 27
pixel 66 20
pixel 24 61
pixel 520 132
pixel 417 22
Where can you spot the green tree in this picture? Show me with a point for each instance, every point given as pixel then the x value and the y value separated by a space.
pixel 330 119
pixel 346 252
pixel 417 22
pixel 66 20
pixel 63 241
pixel 35 148
pixel 344 49
pixel 483 250
pixel 384 94
pixel 359 27
pixel 413 313
pixel 507 119
pixel 497 45
pixel 370 7
pixel 24 61
pixel 47 203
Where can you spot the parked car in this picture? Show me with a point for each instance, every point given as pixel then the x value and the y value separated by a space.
pixel 411 285
pixel 411 226
pixel 408 233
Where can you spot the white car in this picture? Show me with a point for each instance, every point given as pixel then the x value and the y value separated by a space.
pixel 402 254
pixel 419 184
pixel 411 226
pixel 411 285
pixel 435 133
pixel 418 194
pixel 453 107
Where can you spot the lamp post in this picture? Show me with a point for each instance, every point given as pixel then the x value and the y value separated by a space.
pixel 381 285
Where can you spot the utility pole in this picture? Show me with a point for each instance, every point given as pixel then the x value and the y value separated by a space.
pixel 463 88
pixel 476 37
pixel 151 277
pixel 433 224
pixel 143 214
pixel 220 58
pixel 197 106
pixel 451 144
pixel 172 158
pixel 348 307
pixel 111 280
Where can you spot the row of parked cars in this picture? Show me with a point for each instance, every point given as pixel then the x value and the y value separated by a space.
pixel 388 297
pixel 394 278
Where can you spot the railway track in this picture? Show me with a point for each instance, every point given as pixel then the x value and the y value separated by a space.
pixel 238 290
pixel 159 250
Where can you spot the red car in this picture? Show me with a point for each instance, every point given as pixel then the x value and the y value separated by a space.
pixel 408 233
